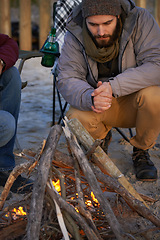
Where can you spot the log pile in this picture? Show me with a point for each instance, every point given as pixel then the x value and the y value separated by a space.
pixel 80 210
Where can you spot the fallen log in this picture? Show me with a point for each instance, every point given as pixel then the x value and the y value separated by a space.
pixel 100 157
pixel 36 206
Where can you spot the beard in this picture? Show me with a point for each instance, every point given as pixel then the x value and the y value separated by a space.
pixel 101 41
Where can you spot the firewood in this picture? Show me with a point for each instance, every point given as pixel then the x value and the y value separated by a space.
pixel 13 231
pixel 83 161
pixel 12 177
pixel 36 206
pixel 62 160
pixel 71 210
pixel 115 186
pixel 72 226
pixel 82 207
pixel 104 162
pixel 134 203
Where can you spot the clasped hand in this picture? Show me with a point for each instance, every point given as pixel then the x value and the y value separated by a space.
pixel 102 97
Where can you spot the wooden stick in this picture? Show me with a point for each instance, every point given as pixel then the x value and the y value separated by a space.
pixel 83 161
pixel 71 210
pixel 115 186
pixel 12 177
pixel 101 157
pixel 72 226
pixel 36 206
pixel 61 220
pixel 13 231
pixel 137 205
pixel 63 160
pixel 82 207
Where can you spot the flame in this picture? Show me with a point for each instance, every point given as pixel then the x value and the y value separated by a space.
pixel 94 198
pixel 17 212
pixel 89 202
pixel 57 185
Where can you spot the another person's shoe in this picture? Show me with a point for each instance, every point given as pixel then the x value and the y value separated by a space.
pixel 144 167
pixel 106 141
pixel 21 185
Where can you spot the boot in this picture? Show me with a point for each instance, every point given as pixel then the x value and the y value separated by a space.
pixel 21 185
pixel 144 167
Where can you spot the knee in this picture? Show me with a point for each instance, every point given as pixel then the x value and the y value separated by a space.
pixel 150 98
pixel 7 127
pixel 11 76
pixel 73 113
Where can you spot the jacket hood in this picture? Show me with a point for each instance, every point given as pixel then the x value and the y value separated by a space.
pixel 76 18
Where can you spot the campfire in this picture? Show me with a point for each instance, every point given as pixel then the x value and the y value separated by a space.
pixel 78 195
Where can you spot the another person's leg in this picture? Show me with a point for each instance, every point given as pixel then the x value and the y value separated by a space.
pixel 10 97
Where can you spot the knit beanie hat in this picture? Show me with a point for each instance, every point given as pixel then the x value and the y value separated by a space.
pixel 100 7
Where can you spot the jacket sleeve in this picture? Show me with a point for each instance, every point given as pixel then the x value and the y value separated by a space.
pixel 72 73
pixel 9 51
pixel 146 44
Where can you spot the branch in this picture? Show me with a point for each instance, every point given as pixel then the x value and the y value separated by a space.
pixel 36 206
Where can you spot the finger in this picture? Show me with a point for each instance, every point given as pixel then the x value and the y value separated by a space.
pixel 99 83
pixel 101 108
pixel 96 110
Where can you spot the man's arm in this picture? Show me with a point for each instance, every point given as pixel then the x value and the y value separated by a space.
pixel 146 47
pixel 72 73
pixel 9 52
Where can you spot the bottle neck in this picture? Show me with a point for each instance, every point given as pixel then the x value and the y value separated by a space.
pixel 52 39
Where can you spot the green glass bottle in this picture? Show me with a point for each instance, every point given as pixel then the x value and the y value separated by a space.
pixel 50 50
